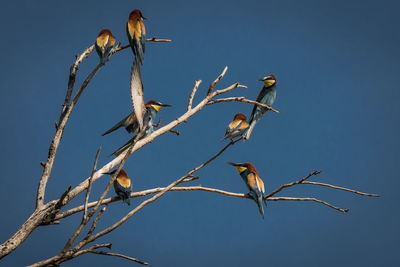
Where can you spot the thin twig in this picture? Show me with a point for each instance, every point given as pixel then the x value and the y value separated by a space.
pixel 192 94
pixel 153 39
pixel 95 221
pixel 56 260
pixel 241 99
pixel 118 255
pixel 175 132
pixel 59 204
pixel 228 89
pixel 308 199
pixel 341 188
pixel 72 74
pixel 89 188
pixel 85 83
pixel 212 85
pixel 85 218
pixel 291 184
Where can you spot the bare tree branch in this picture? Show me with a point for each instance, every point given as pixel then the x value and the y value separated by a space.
pixel 85 218
pixel 192 94
pixel 152 39
pixel 292 184
pixel 308 199
pixel 72 74
pixel 341 188
pixel 240 99
pixel 95 221
pixel 89 188
pixel 56 260
pixel 217 80
pixel 152 199
pixel 213 190
pixel 118 255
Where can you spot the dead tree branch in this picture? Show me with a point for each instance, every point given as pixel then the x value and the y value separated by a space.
pixel 240 99
pixel 118 255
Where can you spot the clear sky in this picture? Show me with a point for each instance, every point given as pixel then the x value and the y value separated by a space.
pixel 337 64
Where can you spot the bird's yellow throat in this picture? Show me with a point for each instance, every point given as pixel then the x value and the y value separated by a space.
pixel 241 169
pixel 268 83
pixel 157 107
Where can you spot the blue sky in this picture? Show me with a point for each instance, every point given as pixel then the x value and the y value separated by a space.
pixel 337 64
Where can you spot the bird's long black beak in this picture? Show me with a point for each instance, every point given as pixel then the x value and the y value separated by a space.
pixel 144 18
pixel 165 105
pixel 234 164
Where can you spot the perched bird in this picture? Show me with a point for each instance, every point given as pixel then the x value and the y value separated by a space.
pixel 237 127
pixel 152 108
pixel 136 33
pixel 253 181
pixel 130 122
pixel 266 96
pixel 104 44
pixel 122 185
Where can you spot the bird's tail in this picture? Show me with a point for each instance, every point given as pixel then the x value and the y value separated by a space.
pixel 125 196
pixel 103 59
pixel 140 56
pixel 250 129
pixel 139 52
pixel 116 126
pixel 225 137
pixel 124 147
pixel 127 200
pixel 260 206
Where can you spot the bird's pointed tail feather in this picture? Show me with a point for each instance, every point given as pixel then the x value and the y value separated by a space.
pixel 250 130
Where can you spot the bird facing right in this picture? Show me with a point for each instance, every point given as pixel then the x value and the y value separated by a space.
pixel 149 120
pixel 266 96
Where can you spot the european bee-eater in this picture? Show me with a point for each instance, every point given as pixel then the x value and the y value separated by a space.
pixel 122 185
pixel 253 182
pixel 266 96
pixel 104 44
pixel 237 127
pixel 136 33
pixel 130 122
pixel 152 108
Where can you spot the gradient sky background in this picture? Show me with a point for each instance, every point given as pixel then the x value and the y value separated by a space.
pixel 337 64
